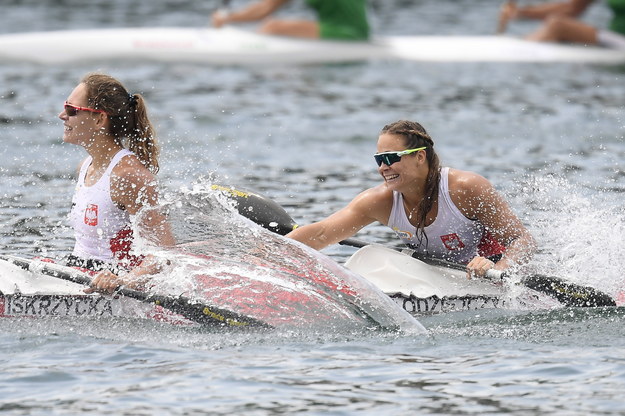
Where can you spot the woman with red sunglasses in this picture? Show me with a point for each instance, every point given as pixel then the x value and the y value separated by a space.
pixel 438 211
pixel 115 181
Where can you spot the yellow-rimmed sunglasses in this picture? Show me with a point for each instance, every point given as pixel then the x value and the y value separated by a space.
pixel 388 158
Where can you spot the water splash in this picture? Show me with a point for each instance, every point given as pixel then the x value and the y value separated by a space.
pixel 581 232
pixel 225 260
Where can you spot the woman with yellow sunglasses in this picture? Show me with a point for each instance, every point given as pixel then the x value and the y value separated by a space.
pixel 438 211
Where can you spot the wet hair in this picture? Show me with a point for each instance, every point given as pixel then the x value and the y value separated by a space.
pixel 127 114
pixel 416 136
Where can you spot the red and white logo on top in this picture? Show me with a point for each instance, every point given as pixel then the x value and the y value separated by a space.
pixel 91 215
pixel 452 241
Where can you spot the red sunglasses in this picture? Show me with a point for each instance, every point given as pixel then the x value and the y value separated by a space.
pixel 72 110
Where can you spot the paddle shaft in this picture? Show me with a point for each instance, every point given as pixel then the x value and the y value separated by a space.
pixel 272 216
pixel 190 309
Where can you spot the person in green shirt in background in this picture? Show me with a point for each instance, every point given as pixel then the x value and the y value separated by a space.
pixel 562 24
pixel 336 19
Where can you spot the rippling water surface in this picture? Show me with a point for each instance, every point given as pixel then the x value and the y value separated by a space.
pixel 550 137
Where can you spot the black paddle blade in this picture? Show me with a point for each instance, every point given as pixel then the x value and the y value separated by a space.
pixel 569 294
pixel 206 314
pixel 260 209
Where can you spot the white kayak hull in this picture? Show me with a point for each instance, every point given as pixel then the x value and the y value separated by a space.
pixel 501 49
pixel 234 296
pixel 28 294
pixel 212 46
pixel 421 288
pixel 232 46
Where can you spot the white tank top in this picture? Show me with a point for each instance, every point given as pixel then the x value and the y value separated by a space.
pixel 101 229
pixel 451 236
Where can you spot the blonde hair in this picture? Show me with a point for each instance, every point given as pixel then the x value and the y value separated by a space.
pixel 127 114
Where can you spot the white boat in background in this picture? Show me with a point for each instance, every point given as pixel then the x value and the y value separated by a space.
pixel 497 49
pixel 212 46
pixel 233 46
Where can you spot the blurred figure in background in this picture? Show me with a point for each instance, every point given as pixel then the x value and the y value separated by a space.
pixel 336 19
pixel 561 22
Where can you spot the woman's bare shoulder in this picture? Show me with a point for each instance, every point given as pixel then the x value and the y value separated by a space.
pixel 131 169
pixel 467 181
pixel 375 203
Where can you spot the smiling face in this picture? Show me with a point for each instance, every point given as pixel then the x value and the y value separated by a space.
pixel 81 128
pixel 411 169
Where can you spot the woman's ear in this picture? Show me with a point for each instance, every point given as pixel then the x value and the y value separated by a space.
pixel 422 156
pixel 102 120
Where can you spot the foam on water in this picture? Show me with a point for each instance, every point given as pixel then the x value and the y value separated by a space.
pixel 580 231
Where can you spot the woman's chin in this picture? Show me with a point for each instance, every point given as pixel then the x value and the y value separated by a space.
pixel 392 184
pixel 71 140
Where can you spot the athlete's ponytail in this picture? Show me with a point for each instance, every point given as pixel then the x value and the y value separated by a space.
pixel 127 114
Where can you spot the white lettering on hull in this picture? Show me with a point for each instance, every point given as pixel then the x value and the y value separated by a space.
pixel 56 305
pixel 435 304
